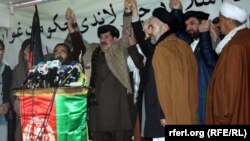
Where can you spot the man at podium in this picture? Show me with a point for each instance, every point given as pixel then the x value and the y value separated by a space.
pixel 21 72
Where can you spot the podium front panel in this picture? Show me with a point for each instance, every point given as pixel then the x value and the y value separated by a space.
pixel 53 114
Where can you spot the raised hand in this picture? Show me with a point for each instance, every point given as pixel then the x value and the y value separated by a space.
pixel 70 16
pixel 175 4
pixel 204 26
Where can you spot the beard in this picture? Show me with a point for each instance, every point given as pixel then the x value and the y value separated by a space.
pixel 154 39
pixel 193 34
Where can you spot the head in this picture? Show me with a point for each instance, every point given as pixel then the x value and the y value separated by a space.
pixel 2 48
pixel 161 22
pixel 231 16
pixel 25 50
pixel 62 50
pixel 107 34
pixel 192 21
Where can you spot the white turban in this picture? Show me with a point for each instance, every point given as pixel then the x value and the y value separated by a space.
pixel 231 11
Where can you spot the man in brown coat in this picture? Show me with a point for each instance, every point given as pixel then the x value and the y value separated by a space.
pixel 175 70
pixel 228 100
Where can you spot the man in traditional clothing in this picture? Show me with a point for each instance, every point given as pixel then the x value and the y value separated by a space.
pixel 175 70
pixel 229 89
pixel 110 116
pixel 197 27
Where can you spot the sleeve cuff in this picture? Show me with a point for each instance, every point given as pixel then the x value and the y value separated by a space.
pixel 135 18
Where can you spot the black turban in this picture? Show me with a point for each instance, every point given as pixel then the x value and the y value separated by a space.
pixel 163 15
pixel 108 28
pixel 197 14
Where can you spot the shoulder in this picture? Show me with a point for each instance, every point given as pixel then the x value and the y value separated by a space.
pixel 7 66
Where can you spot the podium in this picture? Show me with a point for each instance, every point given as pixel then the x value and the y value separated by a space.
pixel 53 114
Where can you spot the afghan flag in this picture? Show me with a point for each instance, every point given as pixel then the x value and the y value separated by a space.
pixel 36 52
pixel 54 114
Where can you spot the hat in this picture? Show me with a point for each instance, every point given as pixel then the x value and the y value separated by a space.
pixel 163 15
pixel 231 11
pixel 197 14
pixel 108 28
pixel 216 20
pixel 25 43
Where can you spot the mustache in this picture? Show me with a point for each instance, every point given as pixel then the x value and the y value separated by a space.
pixel 103 43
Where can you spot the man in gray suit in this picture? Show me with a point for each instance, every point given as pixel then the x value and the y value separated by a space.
pixel 110 117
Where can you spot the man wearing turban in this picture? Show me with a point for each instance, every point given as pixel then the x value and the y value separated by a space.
pixel 229 89
pixel 175 70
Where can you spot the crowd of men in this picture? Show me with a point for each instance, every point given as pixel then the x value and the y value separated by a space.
pixel 173 69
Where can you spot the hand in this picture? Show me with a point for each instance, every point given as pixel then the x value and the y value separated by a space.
pixel 134 8
pixel 163 122
pixel 127 5
pixel 175 4
pixel 70 16
pixel 3 109
pixel 204 26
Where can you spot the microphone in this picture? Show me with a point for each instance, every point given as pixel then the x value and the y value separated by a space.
pixel 64 70
pixel 72 75
pixel 53 67
pixel 33 72
pixel 36 81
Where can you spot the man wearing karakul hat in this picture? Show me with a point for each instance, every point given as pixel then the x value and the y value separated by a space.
pixel 109 81
pixel 229 89
pixel 175 70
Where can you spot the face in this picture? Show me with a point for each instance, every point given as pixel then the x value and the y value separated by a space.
pixel 1 52
pixel 61 51
pixel 217 28
pixel 26 52
pixel 106 40
pixel 155 30
pixel 192 27
pixel 224 25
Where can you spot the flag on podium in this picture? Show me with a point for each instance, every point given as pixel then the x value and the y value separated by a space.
pixel 36 51
pixel 49 117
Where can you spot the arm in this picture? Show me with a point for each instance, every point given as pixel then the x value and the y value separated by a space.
pixel 6 90
pixel 140 35
pixel 136 57
pixel 208 54
pixel 176 7
pixel 126 24
pixel 74 35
